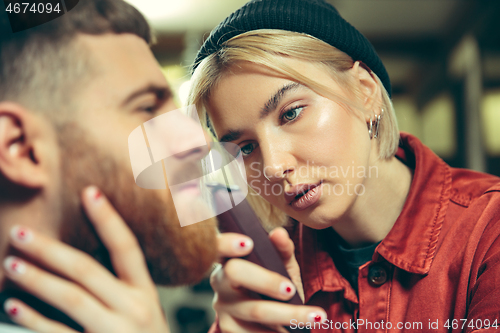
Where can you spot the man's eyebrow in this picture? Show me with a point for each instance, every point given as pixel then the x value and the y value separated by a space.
pixel 231 136
pixel 275 100
pixel 162 93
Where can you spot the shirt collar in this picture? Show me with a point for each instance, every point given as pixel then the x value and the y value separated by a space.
pixel 411 243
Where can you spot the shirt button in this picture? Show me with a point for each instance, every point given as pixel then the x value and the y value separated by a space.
pixel 377 275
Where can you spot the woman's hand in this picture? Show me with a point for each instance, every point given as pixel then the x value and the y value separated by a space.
pixel 82 288
pixel 237 310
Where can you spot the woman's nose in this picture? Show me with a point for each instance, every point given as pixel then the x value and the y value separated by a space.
pixel 278 163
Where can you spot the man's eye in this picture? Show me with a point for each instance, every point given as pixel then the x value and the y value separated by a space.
pixel 149 109
pixel 292 114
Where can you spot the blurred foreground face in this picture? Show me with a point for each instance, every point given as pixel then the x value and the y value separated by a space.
pixel 127 89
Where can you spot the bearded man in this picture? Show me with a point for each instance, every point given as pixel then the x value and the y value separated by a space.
pixel 71 92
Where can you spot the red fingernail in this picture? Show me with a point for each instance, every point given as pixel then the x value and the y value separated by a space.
pixel 287 288
pixel 21 234
pixel 242 245
pixel 94 193
pixel 13 311
pixel 316 317
pixel 14 265
pixel 11 308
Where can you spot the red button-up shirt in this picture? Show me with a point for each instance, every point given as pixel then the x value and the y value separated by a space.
pixel 442 258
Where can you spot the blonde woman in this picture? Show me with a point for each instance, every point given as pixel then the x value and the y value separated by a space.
pixel 386 235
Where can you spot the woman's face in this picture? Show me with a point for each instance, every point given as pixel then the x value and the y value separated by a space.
pixel 294 140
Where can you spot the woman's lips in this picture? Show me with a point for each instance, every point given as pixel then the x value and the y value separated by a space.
pixel 308 199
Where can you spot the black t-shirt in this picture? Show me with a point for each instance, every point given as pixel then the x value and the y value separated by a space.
pixel 346 259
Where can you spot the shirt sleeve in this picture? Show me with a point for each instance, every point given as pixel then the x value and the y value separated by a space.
pixel 484 306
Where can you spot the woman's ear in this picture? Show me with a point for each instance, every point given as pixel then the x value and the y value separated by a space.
pixel 368 87
pixel 19 158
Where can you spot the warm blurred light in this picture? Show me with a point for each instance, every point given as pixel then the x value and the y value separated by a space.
pixel 176 76
pixel 183 92
pixel 162 9
pixel 491 122
pixel 438 126
pixel 409 119
pixel 185 15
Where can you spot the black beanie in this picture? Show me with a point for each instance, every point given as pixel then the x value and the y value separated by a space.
pixel 313 17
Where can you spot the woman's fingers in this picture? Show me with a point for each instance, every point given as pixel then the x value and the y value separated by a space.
pixel 68 262
pixel 126 255
pixel 273 313
pixel 233 245
pixel 239 273
pixel 60 293
pixel 228 323
pixel 24 315
pixel 237 310
pixel 286 249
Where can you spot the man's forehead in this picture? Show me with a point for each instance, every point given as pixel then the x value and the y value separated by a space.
pixel 124 53
pixel 120 64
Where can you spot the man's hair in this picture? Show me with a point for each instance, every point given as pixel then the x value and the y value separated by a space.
pixel 42 67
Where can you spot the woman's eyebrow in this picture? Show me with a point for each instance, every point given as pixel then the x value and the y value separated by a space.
pixel 270 106
pixel 231 136
pixel 275 100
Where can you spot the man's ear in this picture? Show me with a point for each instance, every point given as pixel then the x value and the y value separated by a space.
pixel 368 86
pixel 19 142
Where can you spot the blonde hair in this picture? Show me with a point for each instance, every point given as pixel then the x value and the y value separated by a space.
pixel 269 48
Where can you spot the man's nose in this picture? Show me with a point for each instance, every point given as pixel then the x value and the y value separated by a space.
pixel 193 154
pixel 182 136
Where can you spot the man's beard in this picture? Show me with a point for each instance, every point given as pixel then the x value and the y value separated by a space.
pixel 174 254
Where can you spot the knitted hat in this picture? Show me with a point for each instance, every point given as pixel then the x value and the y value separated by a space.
pixel 314 17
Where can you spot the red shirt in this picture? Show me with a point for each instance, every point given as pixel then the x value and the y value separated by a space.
pixel 438 269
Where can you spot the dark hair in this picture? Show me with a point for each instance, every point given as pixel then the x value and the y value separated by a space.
pixel 41 67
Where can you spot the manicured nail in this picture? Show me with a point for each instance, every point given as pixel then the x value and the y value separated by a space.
pixel 14 149
pixel 287 288
pixel 241 245
pixel 11 308
pixel 14 265
pixel 316 317
pixel 94 193
pixel 21 234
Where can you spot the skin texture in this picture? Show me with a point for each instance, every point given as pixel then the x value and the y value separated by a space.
pixel 303 141
pixel 44 169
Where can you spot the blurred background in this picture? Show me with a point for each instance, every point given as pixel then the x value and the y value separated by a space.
pixel 443 58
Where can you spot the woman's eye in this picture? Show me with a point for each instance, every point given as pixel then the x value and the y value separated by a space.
pixel 247 149
pixel 292 114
